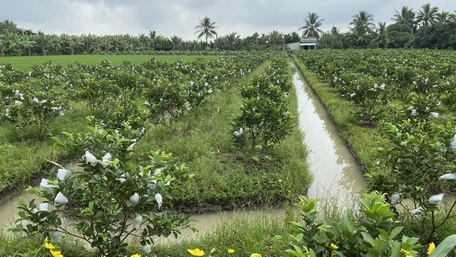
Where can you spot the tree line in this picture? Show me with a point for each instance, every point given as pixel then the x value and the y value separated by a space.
pixel 16 41
pixel 424 28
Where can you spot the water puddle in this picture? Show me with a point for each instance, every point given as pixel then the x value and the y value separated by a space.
pixel 337 175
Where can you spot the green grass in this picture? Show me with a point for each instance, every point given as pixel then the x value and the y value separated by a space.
pixel 27 62
pixel 224 178
pixel 24 157
pixel 245 233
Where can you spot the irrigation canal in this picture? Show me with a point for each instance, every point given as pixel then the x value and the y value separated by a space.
pixel 337 176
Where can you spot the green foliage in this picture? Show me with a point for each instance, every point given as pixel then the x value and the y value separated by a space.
pixel 265 119
pixel 110 198
pixel 34 104
pixel 165 100
pixel 374 233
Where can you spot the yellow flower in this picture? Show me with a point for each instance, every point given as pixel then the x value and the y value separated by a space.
pixel 136 255
pixel 334 246
pixel 56 253
pixel 196 252
pixel 431 248
pixel 255 255
pixel 230 250
pixel 280 180
pixel 48 245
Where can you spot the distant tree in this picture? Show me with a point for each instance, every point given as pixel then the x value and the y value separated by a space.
pixel 291 38
pixel 453 17
pixel 42 41
pixel 206 28
pixel 426 15
pixel 8 26
pixel 233 41
pixel 405 16
pixel 275 39
pixel 382 39
pixel 28 42
pixel 361 28
pixel 176 41
pixel 152 36
pixel 400 35
pixel 442 17
pixel 440 36
pixel 252 42
pixel 311 26
pixel 2 45
pixel 334 39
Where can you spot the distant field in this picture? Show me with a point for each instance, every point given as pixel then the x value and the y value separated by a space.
pixel 26 62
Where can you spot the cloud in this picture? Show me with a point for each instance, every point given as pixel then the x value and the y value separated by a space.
pixel 179 17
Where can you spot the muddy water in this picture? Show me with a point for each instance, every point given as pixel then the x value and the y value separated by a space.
pixel 337 176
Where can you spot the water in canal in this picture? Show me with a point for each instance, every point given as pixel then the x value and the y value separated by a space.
pixel 337 177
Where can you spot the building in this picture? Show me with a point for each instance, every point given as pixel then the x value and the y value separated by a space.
pixel 308 43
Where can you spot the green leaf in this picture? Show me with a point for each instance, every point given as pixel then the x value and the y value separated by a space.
pixel 368 238
pixel 395 249
pixel 444 247
pixel 396 231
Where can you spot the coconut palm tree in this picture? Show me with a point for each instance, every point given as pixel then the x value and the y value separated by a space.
pixel 382 38
pixel 27 41
pixel 362 27
pixel 176 41
pixel 311 27
pixel 452 17
pixel 405 16
pixel 152 36
pixel 426 15
pixel 442 17
pixel 206 28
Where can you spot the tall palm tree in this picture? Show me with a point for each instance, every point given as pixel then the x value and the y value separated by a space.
pixel 382 38
pixel 28 42
pixel 232 41
pixel 152 36
pixel 362 27
pixel 442 17
pixel 176 41
pixel 206 28
pixel 453 17
pixel 42 41
pixel 405 16
pixel 426 15
pixel 311 27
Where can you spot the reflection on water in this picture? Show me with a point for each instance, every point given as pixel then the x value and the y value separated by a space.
pixel 337 176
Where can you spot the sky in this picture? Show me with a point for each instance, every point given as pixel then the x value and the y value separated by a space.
pixel 180 17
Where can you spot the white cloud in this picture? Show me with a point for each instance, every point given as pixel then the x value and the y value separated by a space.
pixel 179 17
